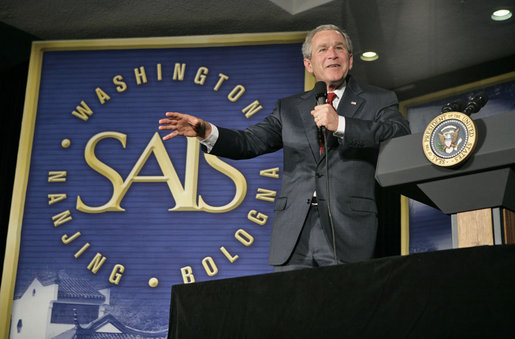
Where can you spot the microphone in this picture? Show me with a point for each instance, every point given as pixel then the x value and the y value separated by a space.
pixel 321 96
pixel 476 103
pixel 455 106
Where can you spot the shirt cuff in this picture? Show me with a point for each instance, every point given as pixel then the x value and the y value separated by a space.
pixel 340 131
pixel 210 141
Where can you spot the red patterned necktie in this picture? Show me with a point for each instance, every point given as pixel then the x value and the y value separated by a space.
pixel 330 99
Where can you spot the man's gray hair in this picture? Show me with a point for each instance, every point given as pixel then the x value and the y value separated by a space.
pixel 307 47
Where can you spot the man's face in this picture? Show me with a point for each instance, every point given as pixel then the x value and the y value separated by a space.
pixel 330 61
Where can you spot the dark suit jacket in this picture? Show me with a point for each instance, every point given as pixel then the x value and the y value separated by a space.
pixel 371 116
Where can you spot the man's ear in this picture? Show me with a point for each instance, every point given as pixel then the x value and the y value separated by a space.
pixel 307 64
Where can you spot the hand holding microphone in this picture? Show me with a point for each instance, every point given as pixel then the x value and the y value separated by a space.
pixel 321 96
pixel 324 115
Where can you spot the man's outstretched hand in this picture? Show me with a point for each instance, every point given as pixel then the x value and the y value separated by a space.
pixel 184 124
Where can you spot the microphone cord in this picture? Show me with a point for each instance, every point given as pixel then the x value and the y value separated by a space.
pixel 331 223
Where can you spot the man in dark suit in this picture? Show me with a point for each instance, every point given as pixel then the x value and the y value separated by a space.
pixel 325 214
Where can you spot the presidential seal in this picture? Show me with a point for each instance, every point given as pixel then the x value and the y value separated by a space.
pixel 449 139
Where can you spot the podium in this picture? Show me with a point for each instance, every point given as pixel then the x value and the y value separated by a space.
pixel 479 193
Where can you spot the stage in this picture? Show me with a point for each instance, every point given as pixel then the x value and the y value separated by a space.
pixel 454 293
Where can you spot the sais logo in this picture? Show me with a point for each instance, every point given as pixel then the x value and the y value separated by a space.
pixel 185 193
pixel 185 196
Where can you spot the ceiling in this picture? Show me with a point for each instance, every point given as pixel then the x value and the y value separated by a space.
pixel 415 39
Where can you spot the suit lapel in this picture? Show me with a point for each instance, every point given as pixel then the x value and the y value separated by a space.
pixel 310 129
pixel 351 101
pixel 348 106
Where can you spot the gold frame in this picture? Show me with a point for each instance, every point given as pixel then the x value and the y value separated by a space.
pixel 29 118
pixel 403 107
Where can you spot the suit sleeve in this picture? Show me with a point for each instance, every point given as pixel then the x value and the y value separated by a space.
pixel 382 123
pixel 264 137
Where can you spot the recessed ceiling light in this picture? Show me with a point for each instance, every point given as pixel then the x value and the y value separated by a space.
pixel 501 15
pixel 369 56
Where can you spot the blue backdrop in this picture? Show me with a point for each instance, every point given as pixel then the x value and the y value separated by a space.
pixel 147 239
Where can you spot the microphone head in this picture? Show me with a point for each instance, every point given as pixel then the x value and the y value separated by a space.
pixel 320 89
pixel 482 98
pixel 476 103
pixel 455 106
pixel 320 92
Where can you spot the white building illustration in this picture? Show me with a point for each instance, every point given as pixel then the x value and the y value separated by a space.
pixel 56 305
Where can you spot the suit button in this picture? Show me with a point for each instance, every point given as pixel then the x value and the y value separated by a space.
pixel 318 175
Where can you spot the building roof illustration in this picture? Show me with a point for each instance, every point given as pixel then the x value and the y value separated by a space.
pixel 69 287
pixel 108 327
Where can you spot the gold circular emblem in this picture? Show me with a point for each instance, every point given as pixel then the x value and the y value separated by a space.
pixel 449 139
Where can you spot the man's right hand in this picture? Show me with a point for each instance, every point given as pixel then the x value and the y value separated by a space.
pixel 184 124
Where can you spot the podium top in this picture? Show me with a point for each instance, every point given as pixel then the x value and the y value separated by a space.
pixel 402 161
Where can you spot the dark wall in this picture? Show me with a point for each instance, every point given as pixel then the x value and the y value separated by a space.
pixel 14 61
pixel 12 94
pixel 457 78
